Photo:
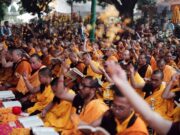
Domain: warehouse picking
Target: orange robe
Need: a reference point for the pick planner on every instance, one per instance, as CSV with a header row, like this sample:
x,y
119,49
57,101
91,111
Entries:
x,y
46,60
59,116
90,72
168,73
42,100
138,128
112,58
153,63
34,80
148,72
22,67
89,114
157,103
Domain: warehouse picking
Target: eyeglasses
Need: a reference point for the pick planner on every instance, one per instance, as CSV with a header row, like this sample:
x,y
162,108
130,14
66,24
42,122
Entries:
x,y
120,108
83,85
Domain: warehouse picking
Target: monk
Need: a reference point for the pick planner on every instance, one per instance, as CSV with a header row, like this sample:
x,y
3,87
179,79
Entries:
x,y
44,93
144,69
121,118
172,94
125,58
88,108
92,67
170,61
57,113
167,70
36,65
19,64
153,90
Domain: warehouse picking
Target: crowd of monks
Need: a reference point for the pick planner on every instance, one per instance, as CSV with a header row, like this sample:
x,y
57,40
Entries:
x,y
35,64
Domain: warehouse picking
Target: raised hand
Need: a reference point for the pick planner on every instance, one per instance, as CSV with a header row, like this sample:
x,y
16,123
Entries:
x,y
116,72
175,77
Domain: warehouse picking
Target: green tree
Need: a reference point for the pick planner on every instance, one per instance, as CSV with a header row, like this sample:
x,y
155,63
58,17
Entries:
x,y
35,6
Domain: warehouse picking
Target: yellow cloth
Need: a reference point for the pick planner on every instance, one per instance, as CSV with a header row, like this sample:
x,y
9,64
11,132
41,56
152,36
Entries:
x,y
112,58
6,115
153,63
172,112
5,45
20,131
32,51
39,53
59,116
34,80
148,72
172,64
159,104
108,94
168,73
43,99
139,80
176,15
122,126
90,72
91,112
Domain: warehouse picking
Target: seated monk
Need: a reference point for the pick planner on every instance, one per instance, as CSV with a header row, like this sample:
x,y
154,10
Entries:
x,y
57,113
172,94
167,70
144,69
88,108
44,93
36,65
5,73
170,61
121,118
19,64
153,91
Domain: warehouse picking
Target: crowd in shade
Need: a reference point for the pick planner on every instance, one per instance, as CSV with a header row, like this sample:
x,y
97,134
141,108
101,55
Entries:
x,y
127,81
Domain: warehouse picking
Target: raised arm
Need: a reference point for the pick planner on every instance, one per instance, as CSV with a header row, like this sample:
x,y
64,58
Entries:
x,y
105,74
93,67
119,77
62,92
167,94
133,82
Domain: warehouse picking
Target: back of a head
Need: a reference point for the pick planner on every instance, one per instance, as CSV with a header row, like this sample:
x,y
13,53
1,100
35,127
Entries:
x,y
46,72
18,52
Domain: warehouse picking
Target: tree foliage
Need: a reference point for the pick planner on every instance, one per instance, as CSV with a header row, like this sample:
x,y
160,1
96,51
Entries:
x,y
35,6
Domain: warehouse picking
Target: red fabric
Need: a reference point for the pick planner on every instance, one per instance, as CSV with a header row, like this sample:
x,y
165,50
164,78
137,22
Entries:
x,y
5,129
